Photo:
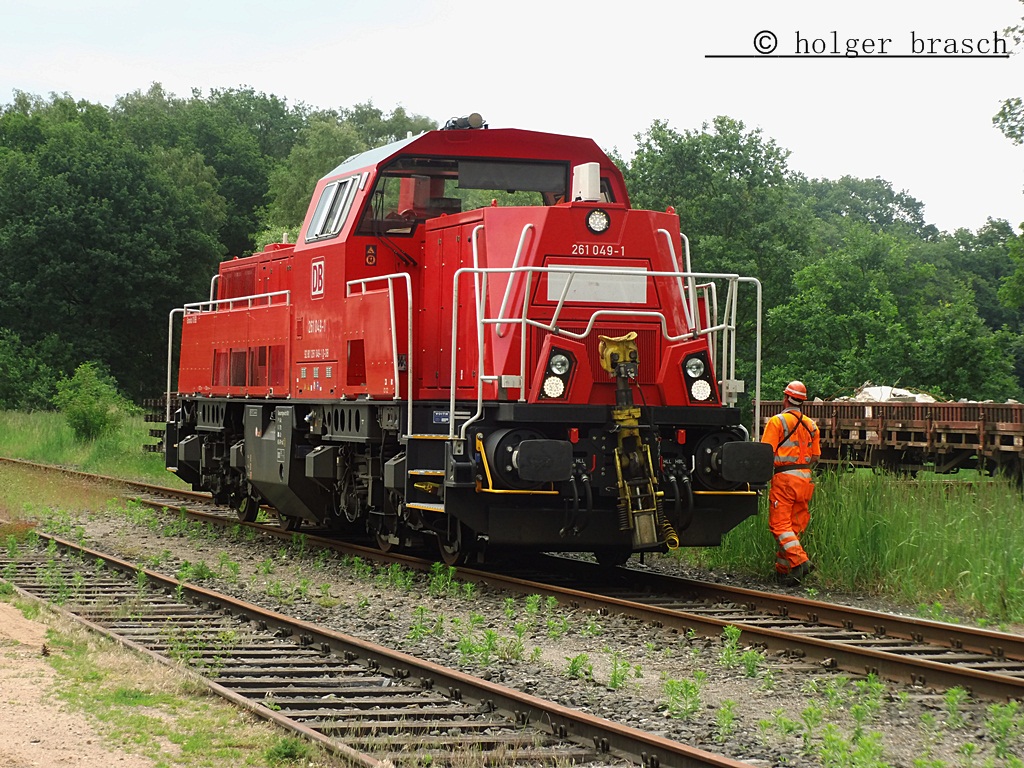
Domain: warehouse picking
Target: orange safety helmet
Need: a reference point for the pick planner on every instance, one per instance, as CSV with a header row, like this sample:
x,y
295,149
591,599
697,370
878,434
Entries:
x,y
796,391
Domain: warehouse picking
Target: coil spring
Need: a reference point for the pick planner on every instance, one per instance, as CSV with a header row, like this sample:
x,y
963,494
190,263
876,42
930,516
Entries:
x,y
668,533
624,524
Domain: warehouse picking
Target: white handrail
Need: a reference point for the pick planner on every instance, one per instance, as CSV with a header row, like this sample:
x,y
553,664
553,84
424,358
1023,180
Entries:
x,y
170,354
683,269
198,308
394,335
480,279
508,286
212,306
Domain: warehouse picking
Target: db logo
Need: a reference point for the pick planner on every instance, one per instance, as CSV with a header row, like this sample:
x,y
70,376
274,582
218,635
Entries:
x,y
316,287
371,255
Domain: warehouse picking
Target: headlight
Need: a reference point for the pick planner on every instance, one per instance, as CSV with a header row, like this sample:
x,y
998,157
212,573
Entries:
x,y
700,391
554,386
694,367
598,221
559,364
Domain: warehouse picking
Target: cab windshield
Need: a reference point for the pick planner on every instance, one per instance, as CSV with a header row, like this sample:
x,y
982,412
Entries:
x,y
413,189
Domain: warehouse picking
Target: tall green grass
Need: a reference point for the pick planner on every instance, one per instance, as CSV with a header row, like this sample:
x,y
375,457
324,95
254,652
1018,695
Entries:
x,y
956,544
45,437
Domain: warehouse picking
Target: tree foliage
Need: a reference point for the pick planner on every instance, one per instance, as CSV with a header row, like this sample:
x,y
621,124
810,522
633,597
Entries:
x,y
837,203
732,190
326,140
26,384
238,133
868,311
857,285
100,240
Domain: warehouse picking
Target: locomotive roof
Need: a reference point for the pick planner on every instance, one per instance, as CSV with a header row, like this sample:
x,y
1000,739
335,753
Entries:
x,y
513,143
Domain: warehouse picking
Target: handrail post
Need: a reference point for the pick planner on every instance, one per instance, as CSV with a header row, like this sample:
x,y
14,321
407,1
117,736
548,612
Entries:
x,y
390,278
170,356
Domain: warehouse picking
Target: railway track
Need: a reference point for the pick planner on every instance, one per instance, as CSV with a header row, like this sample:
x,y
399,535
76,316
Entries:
x,y
913,651
370,704
930,656
907,650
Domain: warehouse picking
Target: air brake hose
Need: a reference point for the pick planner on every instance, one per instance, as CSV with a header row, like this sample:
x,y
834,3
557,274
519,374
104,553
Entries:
x,y
687,518
570,523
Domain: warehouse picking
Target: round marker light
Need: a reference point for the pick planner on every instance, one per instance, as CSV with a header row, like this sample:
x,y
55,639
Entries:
x,y
559,364
700,390
695,367
554,386
598,221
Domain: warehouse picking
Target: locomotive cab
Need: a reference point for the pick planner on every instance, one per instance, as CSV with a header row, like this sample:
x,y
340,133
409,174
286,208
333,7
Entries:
x,y
476,340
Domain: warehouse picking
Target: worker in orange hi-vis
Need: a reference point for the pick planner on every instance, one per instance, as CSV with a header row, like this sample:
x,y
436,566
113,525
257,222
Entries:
x,y
795,439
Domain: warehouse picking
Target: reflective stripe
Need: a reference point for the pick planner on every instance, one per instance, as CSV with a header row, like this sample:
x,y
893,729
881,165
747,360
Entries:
x,y
787,541
794,440
805,473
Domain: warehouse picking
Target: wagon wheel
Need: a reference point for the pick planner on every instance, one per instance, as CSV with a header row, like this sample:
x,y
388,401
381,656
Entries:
x,y
289,522
454,550
248,509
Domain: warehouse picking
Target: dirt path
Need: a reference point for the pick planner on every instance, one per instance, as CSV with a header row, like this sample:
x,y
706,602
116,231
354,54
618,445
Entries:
x,y
35,728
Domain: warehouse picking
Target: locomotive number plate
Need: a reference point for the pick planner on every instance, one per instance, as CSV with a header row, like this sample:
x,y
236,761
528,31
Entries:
x,y
597,249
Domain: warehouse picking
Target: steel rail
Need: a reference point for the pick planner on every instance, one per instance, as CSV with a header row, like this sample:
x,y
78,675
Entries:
x,y
523,710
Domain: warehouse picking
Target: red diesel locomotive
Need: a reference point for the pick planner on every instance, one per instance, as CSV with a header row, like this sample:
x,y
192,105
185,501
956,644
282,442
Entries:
x,y
474,340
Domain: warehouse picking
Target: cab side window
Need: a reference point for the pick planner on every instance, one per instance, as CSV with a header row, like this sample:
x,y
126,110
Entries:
x,y
331,209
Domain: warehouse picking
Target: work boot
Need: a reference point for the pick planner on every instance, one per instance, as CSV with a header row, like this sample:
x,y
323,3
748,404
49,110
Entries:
x,y
786,579
802,571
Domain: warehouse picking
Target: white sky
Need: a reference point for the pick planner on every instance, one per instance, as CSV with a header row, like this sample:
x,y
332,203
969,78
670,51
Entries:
x,y
601,69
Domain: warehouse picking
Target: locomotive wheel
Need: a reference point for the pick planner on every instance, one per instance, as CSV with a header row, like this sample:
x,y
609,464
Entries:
x,y
610,558
454,552
289,522
248,510
384,544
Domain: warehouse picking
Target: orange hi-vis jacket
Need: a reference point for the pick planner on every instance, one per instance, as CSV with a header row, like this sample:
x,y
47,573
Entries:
x,y
795,440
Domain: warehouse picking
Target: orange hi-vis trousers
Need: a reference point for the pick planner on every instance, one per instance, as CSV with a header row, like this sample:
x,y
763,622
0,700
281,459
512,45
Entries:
x,y
788,517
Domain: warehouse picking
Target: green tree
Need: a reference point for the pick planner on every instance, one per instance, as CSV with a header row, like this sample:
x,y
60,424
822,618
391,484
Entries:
x,y
740,207
26,384
239,133
100,239
1011,286
326,140
734,196
953,352
1010,117
981,260
375,128
873,202
868,310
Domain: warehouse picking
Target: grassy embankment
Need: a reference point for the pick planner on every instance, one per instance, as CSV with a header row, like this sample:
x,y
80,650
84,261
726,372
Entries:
x,y
949,548
45,437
